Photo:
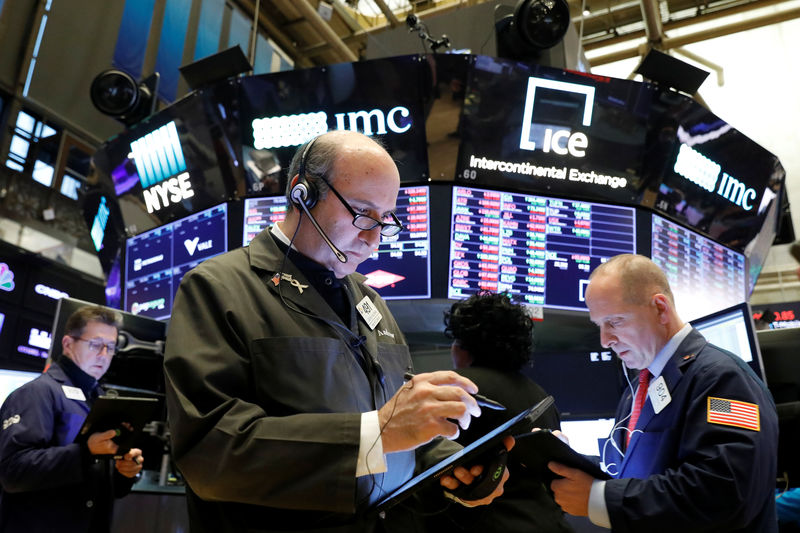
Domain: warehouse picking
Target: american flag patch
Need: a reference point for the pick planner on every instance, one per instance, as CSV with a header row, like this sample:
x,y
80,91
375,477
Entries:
x,y
733,413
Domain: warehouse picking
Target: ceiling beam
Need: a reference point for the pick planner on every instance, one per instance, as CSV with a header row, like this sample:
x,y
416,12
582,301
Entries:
x,y
390,17
348,19
286,43
682,23
719,31
326,32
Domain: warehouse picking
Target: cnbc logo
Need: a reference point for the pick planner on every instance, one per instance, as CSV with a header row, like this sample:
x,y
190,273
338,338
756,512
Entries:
x,y
161,167
551,109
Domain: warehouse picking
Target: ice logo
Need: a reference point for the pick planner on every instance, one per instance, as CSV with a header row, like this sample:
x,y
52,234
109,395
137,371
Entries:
x,y
6,278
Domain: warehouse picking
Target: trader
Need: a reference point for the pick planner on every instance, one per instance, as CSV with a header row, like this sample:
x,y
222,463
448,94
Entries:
x,y
696,450
492,343
49,482
282,365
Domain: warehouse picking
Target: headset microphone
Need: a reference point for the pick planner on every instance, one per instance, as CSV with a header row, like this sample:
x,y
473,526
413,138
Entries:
x,y
299,195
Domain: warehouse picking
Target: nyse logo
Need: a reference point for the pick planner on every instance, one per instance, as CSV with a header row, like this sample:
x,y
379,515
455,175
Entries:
x,y
168,192
160,164
158,155
559,140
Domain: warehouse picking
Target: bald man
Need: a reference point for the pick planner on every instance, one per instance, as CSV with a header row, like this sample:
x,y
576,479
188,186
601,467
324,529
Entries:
x,y
287,404
700,454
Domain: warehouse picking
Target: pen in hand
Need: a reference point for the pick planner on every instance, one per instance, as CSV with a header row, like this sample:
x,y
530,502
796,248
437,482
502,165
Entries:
x,y
483,401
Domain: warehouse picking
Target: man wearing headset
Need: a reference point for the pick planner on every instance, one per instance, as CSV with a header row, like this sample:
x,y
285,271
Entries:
x,y
284,371
701,454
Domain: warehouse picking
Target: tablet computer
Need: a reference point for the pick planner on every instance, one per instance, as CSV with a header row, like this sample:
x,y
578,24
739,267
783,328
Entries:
x,y
536,449
126,414
522,423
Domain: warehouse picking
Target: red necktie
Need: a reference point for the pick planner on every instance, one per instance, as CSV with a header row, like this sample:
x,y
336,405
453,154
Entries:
x,y
641,395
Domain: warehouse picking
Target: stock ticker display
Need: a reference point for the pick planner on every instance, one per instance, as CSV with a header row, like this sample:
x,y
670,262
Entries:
x,y
538,249
399,268
260,213
704,275
156,261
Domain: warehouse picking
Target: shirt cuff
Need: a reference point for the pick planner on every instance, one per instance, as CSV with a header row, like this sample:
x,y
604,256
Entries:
x,y
598,512
370,449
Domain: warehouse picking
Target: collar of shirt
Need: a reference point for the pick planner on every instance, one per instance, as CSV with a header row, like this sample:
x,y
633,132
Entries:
x,y
323,280
320,277
78,377
658,364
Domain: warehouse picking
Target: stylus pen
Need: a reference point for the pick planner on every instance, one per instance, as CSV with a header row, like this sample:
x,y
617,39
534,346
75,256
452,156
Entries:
x,y
483,401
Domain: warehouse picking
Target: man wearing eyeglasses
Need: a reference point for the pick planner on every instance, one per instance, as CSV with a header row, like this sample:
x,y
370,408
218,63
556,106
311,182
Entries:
x,y
284,371
49,482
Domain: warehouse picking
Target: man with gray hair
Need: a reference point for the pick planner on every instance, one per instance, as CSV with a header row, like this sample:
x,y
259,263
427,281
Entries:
x,y
285,372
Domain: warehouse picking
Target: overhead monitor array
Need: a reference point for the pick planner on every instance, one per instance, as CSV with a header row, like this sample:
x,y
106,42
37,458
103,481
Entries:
x,y
399,268
538,249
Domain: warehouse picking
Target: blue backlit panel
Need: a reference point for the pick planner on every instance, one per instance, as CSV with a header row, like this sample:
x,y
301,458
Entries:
x,y
155,261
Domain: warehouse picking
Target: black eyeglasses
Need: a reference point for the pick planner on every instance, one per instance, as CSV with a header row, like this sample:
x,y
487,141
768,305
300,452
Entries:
x,y
96,345
366,222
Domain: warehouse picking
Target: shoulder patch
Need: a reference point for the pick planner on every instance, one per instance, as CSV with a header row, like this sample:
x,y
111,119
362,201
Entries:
x,y
11,420
733,413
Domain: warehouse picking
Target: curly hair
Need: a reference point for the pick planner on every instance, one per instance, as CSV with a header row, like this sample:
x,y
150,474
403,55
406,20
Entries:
x,y
496,332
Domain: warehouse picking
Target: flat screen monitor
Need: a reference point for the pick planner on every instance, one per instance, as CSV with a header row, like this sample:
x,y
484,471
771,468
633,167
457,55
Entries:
x,y
778,315
704,276
178,162
11,380
781,362
261,213
538,249
156,260
48,281
732,329
381,98
138,362
401,266
585,384
32,340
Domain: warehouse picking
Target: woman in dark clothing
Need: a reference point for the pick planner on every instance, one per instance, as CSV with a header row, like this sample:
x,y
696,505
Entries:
x,y
492,341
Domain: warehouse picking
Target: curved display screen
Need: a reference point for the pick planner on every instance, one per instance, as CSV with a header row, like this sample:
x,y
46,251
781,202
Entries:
x,y
539,249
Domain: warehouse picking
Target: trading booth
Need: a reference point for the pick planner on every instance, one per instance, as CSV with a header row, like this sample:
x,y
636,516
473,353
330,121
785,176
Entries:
x,y
514,177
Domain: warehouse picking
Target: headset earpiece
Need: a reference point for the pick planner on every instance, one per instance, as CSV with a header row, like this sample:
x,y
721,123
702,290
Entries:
x,y
303,191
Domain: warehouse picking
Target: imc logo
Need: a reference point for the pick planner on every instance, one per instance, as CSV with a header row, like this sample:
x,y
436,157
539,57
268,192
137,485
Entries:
x,y
708,174
158,157
551,109
292,130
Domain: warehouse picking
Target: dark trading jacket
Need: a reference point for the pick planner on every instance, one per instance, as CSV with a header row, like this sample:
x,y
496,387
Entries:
x,y
48,482
526,504
684,473
265,395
